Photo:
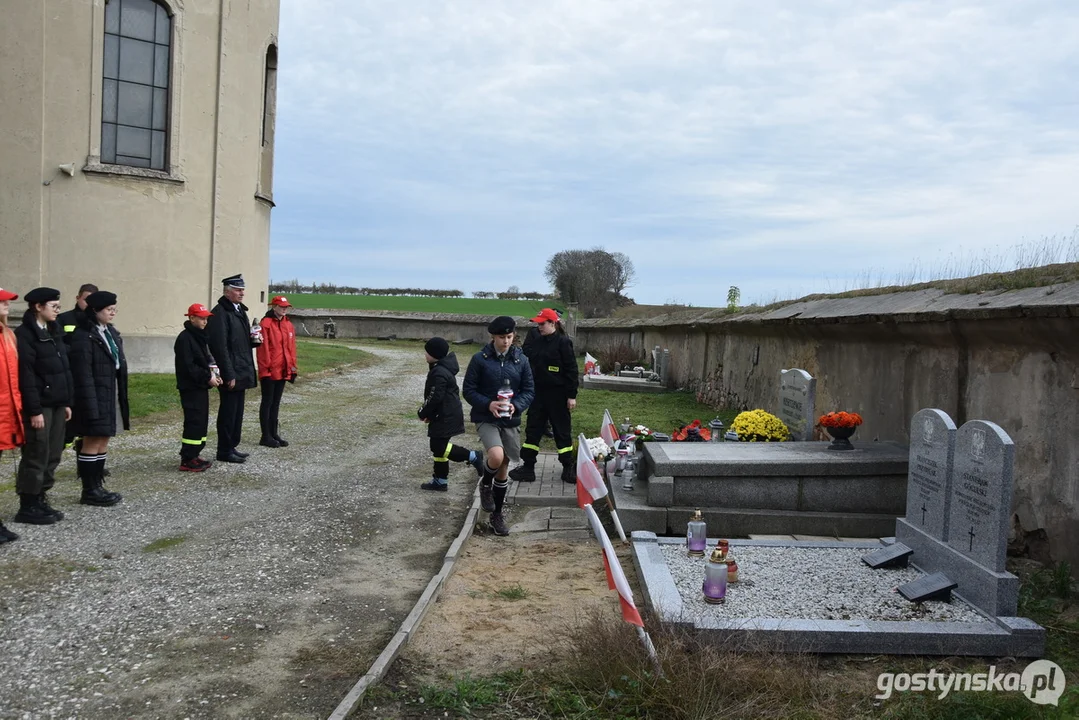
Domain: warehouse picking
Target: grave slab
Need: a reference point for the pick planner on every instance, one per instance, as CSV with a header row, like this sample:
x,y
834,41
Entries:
x,y
996,636
622,384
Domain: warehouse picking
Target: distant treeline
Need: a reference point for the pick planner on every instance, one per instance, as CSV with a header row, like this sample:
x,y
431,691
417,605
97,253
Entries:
x,y
295,286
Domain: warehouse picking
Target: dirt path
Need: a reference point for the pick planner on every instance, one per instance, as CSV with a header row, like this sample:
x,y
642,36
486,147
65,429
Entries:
x,y
248,591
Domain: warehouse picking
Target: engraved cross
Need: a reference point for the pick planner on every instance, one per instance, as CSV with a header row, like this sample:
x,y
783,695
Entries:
x,y
971,533
923,513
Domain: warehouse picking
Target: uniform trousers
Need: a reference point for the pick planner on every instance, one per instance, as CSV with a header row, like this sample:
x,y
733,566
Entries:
x,y
230,419
196,406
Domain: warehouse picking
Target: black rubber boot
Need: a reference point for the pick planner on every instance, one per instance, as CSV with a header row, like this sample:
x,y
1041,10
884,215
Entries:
x,y
43,501
524,473
31,512
94,492
569,473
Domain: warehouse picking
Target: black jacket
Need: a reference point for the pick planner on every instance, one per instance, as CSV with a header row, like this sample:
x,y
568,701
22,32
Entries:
x,y
98,382
554,364
67,322
442,400
483,379
229,332
44,372
192,358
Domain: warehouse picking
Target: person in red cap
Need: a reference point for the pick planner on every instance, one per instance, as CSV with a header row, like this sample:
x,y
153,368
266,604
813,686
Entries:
x,y
554,368
12,434
196,373
277,364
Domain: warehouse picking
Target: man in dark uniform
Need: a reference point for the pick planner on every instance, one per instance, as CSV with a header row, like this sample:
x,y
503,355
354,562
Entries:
x,y
231,342
66,320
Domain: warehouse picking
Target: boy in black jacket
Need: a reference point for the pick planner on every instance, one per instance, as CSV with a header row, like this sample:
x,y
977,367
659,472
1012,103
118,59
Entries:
x,y
441,410
195,375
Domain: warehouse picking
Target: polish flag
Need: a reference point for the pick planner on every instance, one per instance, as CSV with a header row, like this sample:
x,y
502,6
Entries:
x,y
590,485
616,579
608,431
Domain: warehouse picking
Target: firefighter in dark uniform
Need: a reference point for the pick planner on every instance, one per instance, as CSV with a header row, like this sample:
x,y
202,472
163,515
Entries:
x,y
554,368
231,343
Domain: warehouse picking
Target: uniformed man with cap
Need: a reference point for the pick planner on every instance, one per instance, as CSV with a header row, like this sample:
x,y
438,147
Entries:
x,y
231,343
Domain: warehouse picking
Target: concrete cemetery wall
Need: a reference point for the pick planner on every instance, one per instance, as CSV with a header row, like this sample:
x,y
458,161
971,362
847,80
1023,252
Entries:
x,y
1010,357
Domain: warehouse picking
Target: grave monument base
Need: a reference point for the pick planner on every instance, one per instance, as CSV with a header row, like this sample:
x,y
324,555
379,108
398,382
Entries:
x,y
994,637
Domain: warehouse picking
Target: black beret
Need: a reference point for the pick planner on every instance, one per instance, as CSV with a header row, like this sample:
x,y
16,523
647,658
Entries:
x,y
42,295
437,348
100,300
502,325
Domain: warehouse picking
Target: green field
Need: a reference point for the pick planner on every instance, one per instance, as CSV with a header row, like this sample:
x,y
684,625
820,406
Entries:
x,y
464,306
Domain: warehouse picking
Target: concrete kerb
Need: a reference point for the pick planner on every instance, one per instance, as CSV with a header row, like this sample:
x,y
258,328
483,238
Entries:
x,y
434,588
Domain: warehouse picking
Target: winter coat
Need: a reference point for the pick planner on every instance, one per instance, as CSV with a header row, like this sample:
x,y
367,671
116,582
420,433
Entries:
x,y
67,321
12,433
277,353
44,373
442,400
554,364
192,358
229,333
483,379
98,382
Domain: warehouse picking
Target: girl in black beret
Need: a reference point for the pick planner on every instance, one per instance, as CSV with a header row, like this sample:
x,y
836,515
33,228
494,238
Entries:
x,y
99,369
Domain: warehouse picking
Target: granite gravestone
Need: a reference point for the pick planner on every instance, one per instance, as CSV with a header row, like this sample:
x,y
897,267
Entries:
x,y
797,399
978,519
929,477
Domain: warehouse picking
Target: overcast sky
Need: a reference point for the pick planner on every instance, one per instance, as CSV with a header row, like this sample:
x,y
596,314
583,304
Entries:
x,y
782,147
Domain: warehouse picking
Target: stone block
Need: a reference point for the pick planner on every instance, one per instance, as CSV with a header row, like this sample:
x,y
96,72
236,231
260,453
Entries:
x,y
660,491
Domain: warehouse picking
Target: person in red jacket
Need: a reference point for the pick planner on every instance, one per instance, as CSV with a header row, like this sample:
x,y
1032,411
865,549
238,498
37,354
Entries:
x,y
11,427
277,364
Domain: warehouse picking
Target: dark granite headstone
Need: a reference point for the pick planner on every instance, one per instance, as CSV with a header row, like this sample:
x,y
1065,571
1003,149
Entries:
x,y
931,587
797,398
980,512
894,555
929,479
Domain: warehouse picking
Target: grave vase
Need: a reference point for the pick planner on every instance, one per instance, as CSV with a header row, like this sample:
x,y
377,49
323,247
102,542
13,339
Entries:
x,y
840,437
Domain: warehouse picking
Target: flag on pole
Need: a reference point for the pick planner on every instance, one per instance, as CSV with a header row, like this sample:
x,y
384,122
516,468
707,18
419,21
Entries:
x,y
616,579
608,431
590,485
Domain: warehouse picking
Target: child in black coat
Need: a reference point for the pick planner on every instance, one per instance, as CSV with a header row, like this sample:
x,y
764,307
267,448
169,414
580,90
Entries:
x,y
196,373
442,412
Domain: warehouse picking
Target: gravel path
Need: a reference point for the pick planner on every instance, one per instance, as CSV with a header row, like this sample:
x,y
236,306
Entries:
x,y
261,590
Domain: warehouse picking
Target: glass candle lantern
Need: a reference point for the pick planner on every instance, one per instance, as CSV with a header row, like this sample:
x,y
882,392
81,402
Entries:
x,y
716,426
696,535
715,578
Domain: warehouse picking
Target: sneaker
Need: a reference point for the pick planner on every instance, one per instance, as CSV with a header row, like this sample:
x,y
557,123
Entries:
x,y
43,501
203,463
487,497
434,484
498,524
193,465
477,462
523,473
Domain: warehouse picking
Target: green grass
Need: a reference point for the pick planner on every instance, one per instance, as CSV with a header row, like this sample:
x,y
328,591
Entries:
x,y
163,544
464,306
662,412
514,592
151,393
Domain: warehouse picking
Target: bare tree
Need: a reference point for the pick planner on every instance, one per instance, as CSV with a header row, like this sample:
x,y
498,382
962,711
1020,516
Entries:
x,y
594,279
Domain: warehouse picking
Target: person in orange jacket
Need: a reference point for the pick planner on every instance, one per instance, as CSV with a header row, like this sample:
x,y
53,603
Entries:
x,y
11,424
277,364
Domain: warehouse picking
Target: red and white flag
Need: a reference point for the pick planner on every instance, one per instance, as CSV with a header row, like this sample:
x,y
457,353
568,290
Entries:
x,y
608,431
616,579
590,485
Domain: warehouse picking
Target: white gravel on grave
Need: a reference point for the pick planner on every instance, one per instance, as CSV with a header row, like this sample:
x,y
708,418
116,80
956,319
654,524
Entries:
x,y
810,584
